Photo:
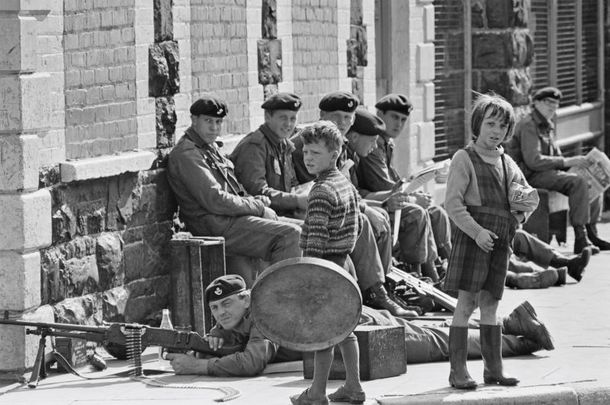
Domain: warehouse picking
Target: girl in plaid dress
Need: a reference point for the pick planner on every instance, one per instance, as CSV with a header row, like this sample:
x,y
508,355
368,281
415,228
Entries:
x,y
477,202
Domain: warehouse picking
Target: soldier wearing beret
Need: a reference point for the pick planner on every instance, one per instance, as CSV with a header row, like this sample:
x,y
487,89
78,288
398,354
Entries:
x,y
263,158
424,229
214,203
534,147
229,302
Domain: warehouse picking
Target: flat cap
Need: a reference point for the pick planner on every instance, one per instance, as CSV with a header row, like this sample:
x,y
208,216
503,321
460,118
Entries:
x,y
547,92
224,286
209,105
283,101
395,102
339,101
367,124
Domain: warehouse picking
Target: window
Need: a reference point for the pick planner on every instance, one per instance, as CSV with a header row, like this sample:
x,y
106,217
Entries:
x,y
567,54
449,79
566,48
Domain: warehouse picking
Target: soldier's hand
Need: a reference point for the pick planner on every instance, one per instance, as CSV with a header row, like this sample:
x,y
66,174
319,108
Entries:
x,y
422,199
397,201
215,342
579,161
264,199
185,364
268,213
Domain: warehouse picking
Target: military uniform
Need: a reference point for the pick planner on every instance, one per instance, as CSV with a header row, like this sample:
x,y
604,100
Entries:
x,y
213,203
423,232
263,164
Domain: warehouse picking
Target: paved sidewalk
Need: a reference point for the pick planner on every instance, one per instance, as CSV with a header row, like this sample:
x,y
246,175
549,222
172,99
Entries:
x,y
576,372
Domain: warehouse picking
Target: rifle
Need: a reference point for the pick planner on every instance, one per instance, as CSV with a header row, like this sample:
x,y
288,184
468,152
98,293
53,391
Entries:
x,y
423,288
121,340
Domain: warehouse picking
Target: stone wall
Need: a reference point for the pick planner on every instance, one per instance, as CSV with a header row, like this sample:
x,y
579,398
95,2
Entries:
x,y
502,49
110,234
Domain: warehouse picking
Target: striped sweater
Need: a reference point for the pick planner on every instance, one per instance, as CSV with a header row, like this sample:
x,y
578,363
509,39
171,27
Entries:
x,y
332,222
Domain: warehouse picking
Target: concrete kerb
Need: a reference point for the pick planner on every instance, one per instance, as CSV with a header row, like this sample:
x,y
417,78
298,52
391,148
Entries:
x,y
493,395
593,395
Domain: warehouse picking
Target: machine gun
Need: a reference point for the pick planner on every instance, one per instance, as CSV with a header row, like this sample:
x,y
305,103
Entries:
x,y
121,340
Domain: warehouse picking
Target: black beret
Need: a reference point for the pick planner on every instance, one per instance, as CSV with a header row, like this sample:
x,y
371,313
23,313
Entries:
x,y
283,101
547,92
209,105
366,123
395,102
339,101
224,286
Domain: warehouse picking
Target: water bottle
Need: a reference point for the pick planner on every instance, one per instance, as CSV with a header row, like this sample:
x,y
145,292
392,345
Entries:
x,y
166,323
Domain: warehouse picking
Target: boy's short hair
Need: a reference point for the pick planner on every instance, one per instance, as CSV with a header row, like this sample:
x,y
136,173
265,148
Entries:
x,y
323,131
498,107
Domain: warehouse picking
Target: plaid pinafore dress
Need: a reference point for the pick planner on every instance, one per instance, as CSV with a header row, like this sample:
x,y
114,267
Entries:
x,y
470,268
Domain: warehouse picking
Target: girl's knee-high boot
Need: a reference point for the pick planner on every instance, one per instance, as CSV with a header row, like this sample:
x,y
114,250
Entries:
x,y
458,354
491,349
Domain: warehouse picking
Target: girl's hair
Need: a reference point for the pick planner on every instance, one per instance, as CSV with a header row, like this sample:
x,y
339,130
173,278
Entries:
x,y
498,107
323,131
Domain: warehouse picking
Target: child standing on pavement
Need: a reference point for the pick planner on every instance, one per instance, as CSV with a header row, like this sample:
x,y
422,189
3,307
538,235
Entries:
x,y
331,227
477,201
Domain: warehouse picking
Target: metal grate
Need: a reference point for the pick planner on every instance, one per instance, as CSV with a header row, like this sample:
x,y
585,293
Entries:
x,y
449,77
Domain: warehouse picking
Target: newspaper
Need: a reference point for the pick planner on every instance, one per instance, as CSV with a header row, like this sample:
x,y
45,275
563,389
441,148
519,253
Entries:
x,y
420,178
597,173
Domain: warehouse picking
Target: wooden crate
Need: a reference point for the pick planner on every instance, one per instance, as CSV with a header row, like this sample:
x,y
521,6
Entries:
x,y
383,354
196,261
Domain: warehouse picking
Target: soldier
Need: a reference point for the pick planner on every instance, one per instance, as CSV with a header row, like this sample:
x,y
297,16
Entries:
x,y
431,237
229,302
211,199
534,147
263,163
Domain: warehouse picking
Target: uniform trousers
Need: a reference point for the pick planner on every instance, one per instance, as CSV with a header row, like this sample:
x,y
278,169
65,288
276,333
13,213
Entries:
x,y
429,343
252,236
529,253
582,211
416,243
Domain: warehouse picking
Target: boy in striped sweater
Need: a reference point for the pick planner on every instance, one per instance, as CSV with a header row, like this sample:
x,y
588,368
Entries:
x,y
331,227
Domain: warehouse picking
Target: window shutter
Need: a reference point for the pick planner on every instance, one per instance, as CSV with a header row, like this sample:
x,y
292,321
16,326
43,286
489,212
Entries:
x,y
540,28
589,51
449,77
566,51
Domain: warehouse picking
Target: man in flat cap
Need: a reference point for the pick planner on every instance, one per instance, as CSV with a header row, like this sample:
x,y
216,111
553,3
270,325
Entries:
x,y
263,158
229,302
424,233
214,203
534,147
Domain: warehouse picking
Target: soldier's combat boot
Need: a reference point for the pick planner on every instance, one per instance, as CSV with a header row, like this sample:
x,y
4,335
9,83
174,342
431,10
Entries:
x,y
595,239
377,297
524,321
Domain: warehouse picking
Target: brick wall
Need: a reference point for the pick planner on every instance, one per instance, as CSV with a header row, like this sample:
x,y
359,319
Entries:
x,y
314,25
219,56
100,73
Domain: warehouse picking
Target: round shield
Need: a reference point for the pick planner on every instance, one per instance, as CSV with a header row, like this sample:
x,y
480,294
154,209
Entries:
x,y
305,304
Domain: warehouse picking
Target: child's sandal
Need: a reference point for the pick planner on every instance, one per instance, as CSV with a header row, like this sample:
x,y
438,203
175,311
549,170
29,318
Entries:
x,y
343,395
304,399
